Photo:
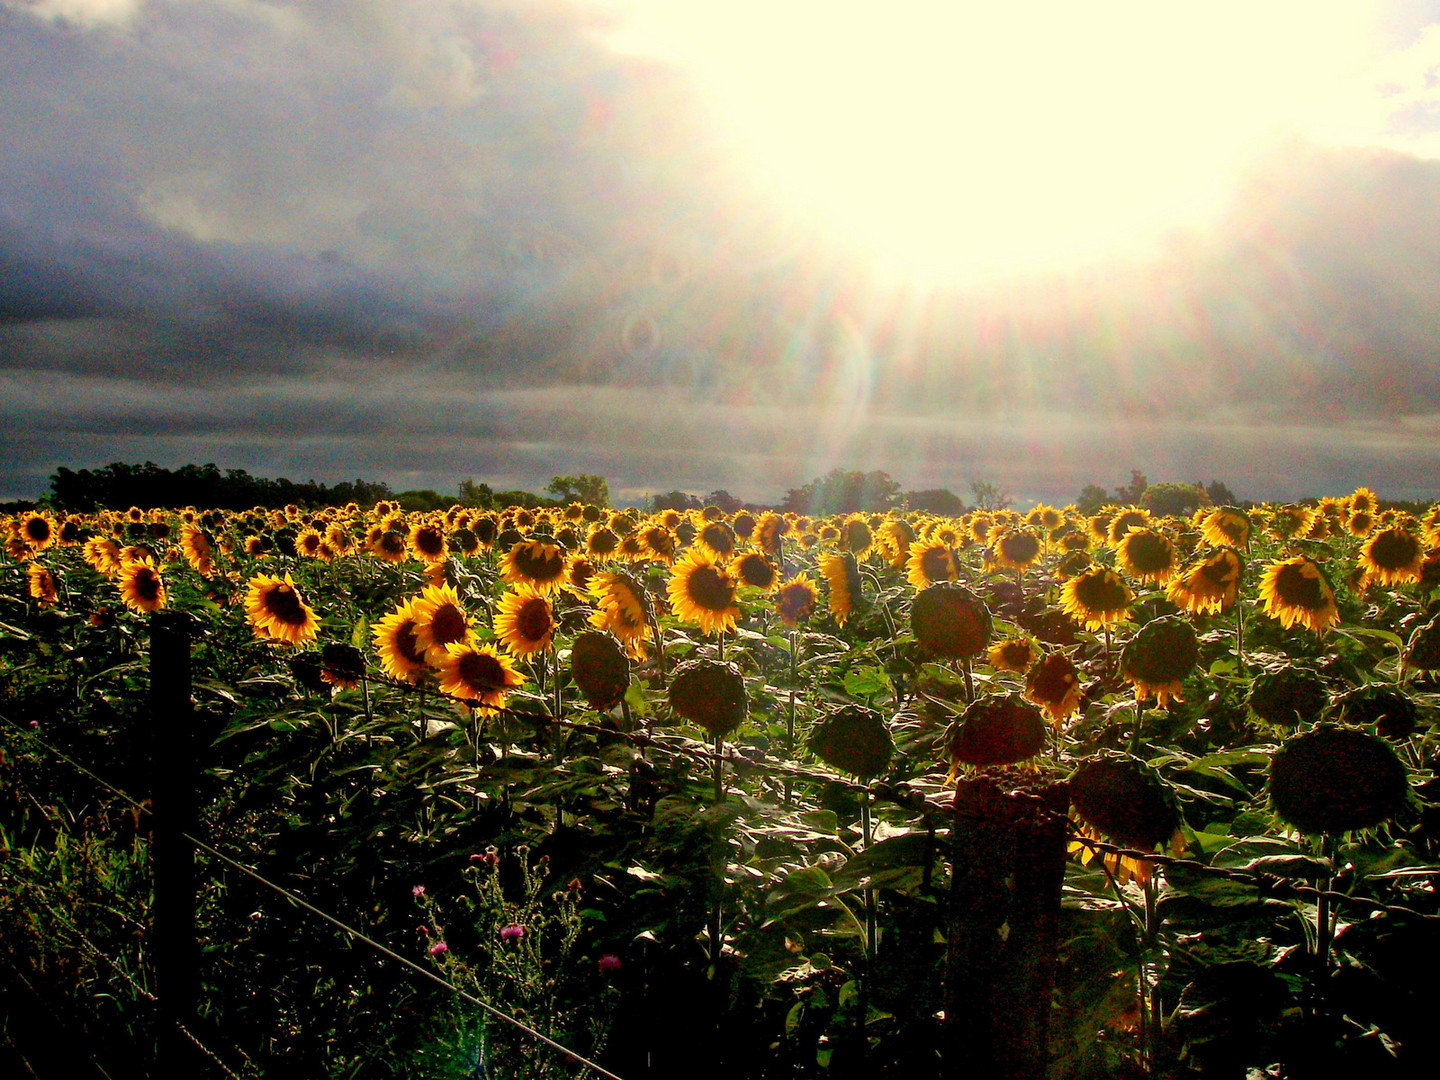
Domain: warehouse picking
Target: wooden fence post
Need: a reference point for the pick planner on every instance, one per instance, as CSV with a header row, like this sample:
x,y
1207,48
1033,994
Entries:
x,y
1002,930
173,947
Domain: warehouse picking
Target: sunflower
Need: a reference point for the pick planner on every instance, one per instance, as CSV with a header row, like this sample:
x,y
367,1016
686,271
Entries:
x,y
843,577
276,611
578,575
389,545
1289,522
1130,517
198,549
702,591
856,537
894,538
930,562
427,543
1017,549
1147,555
1362,501
1097,598
756,570
1297,590
1360,522
1392,556
950,621
42,585
1072,563
1209,584
341,666
524,621
623,608
103,554
1012,654
1159,657
660,544
1226,526
478,675
769,532
796,599
141,586
37,529
601,543
534,562
440,621
1053,683
395,643
717,538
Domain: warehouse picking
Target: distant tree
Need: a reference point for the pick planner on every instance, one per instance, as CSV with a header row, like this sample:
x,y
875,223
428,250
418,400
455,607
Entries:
x,y
1168,499
989,496
1129,495
844,492
675,500
527,499
120,485
422,500
583,487
1091,498
477,495
724,500
1220,494
939,501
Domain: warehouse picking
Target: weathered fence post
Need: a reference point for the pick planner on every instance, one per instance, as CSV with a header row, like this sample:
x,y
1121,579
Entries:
x,y
1002,930
172,858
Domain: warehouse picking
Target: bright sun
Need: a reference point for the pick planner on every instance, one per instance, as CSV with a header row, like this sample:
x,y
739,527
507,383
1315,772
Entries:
x,y
946,140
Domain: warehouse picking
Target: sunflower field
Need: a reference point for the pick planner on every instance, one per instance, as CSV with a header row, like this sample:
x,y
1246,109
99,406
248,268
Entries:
x,y
587,791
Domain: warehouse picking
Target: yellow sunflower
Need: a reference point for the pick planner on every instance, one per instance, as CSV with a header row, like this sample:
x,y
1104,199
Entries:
x,y
1123,520
1209,584
601,543
277,611
198,549
478,675
1392,556
1297,590
930,562
796,599
440,621
856,537
525,621
536,563
756,570
1017,549
42,585
1226,526
1097,598
717,538
1053,683
103,554
702,591
37,529
843,577
1289,522
623,609
141,586
1012,654
769,532
427,543
1147,555
660,544
396,645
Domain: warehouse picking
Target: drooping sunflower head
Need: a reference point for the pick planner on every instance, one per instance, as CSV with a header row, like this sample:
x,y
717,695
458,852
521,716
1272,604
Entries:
x,y
950,621
1334,779
795,600
769,532
1209,584
1226,525
996,729
710,693
1097,598
702,591
440,621
1288,695
600,668
277,611
1297,590
1392,556
341,665
1147,555
853,739
42,585
623,608
525,621
1124,799
1053,683
856,537
842,575
1159,657
103,554
477,675
534,562
1072,563
1389,710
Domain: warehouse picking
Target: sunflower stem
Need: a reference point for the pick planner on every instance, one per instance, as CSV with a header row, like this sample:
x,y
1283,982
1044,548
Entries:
x,y
790,712
1150,975
555,678
969,683
869,895
1239,638
365,697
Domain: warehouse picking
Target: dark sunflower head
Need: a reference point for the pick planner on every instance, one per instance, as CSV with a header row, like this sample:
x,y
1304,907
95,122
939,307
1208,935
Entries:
x,y
950,621
1334,779
1124,799
996,729
854,739
710,693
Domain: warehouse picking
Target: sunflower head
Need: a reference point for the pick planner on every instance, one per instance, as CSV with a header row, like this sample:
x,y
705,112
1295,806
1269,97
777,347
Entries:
x,y
1159,657
795,600
1053,683
1226,526
854,739
702,591
1297,590
950,621
525,621
535,562
929,562
600,668
1389,710
1012,654
42,585
843,576
1125,800
756,570
710,693
1288,696
1209,584
996,729
1147,555
341,665
477,675
141,586
1017,549
1097,598
1392,556
1334,779
397,646
277,611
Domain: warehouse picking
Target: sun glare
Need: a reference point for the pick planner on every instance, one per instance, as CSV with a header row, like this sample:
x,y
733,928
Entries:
x,y
946,140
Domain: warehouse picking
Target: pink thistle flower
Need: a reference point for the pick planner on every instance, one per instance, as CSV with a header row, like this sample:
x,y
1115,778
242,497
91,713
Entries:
x,y
513,932
439,949
610,962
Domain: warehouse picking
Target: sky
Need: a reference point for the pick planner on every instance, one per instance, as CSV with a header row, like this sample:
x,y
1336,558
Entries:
x,y
696,245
